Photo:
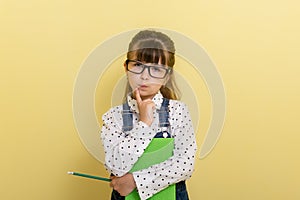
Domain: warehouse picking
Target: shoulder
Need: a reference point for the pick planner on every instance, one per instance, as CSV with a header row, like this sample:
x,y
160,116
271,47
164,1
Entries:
x,y
179,114
178,109
176,105
113,114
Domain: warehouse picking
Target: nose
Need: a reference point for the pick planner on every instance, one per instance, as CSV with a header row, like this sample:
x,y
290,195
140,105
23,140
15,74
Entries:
x,y
145,74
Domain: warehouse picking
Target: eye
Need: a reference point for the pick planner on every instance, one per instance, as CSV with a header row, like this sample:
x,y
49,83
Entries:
x,y
137,64
157,69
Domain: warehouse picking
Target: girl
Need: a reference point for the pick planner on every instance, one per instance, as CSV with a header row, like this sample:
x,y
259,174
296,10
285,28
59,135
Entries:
x,y
151,87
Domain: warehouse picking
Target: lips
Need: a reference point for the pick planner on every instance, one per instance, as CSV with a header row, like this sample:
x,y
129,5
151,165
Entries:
x,y
143,86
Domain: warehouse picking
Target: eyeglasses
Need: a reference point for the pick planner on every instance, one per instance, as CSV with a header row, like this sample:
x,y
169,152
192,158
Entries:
x,y
155,71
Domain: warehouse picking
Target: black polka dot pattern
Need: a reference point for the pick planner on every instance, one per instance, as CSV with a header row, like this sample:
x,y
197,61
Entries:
x,y
122,149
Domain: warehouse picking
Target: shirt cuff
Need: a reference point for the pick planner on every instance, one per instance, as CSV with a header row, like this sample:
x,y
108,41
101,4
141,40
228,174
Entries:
x,y
143,186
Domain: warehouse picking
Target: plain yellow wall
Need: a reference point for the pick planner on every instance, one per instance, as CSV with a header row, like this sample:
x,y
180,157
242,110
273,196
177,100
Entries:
x,y
255,45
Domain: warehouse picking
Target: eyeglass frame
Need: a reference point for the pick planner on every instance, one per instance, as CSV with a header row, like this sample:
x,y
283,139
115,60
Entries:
x,y
164,67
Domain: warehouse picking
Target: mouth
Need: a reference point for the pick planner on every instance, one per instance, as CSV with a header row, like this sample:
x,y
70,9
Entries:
x,y
143,86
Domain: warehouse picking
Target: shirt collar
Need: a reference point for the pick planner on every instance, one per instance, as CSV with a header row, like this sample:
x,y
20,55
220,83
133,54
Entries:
x,y
157,99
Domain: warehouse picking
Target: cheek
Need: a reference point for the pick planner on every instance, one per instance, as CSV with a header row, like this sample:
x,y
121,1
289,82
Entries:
x,y
133,80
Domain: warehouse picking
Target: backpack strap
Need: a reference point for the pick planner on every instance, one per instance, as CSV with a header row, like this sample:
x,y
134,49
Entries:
x,y
163,113
127,117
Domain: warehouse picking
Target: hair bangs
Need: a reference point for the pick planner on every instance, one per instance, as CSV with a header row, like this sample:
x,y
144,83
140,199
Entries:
x,y
151,55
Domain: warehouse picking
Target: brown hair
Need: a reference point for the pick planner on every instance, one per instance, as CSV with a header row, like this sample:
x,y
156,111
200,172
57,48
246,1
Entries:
x,y
152,46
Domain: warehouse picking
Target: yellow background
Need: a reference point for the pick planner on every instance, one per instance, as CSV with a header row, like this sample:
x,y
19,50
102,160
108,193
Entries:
x,y
255,45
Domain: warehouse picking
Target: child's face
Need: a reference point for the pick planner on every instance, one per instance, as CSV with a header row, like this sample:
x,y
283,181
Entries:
x,y
147,85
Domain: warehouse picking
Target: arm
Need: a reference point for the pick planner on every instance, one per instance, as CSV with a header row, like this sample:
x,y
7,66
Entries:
x,y
122,149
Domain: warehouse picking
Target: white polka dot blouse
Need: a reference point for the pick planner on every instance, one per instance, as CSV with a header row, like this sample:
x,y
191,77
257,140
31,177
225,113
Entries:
x,y
123,149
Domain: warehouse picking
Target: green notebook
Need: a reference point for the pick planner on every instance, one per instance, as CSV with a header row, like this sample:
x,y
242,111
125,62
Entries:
x,y
159,150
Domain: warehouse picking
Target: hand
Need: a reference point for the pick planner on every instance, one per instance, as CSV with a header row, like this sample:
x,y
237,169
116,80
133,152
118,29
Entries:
x,y
146,108
124,185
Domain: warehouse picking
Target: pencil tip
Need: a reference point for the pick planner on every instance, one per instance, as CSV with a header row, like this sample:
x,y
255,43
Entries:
x,y
71,173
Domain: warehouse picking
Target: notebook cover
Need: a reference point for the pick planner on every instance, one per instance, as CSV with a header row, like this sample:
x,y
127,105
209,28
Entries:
x,y
159,150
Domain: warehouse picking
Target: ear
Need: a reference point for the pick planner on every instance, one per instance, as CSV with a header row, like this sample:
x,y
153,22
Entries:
x,y
124,65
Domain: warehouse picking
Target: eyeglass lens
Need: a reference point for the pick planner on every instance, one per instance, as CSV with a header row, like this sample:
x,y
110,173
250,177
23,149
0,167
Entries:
x,y
155,71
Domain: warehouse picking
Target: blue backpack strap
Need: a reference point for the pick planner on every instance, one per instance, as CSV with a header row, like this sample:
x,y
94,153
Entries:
x,y
164,113
164,123
127,117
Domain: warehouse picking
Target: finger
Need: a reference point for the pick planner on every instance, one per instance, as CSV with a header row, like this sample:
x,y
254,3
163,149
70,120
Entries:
x,y
153,107
113,181
149,102
138,96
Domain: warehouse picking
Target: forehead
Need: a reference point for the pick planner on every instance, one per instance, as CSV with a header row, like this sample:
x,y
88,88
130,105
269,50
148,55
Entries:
x,y
149,55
